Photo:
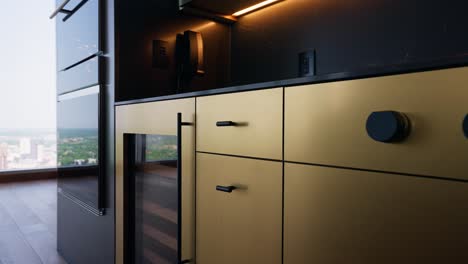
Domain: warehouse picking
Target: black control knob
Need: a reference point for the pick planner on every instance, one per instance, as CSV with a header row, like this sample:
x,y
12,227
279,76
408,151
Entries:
x,y
388,126
465,126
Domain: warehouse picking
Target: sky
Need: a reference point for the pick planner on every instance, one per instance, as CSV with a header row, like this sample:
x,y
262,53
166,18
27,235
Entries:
x,y
27,64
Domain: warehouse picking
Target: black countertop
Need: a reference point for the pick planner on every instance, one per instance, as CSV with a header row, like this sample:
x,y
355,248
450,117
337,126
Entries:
x,y
443,63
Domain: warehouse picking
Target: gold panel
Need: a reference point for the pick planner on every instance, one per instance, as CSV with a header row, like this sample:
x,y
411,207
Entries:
x,y
326,123
335,216
259,118
243,226
159,118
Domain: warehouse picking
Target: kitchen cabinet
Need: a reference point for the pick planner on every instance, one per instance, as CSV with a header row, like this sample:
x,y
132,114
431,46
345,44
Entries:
x,y
244,124
239,210
326,123
351,216
159,121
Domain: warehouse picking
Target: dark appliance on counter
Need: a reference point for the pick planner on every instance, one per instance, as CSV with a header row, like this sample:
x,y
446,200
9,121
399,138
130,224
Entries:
x,y
190,60
80,103
189,45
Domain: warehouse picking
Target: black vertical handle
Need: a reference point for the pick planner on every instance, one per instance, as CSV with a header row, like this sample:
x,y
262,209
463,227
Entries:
x,y
180,124
179,187
465,126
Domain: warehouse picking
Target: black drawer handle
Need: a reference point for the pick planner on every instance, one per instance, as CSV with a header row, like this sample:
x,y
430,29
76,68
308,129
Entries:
x,y
227,189
225,123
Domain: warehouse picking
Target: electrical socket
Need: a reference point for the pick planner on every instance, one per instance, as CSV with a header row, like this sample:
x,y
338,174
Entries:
x,y
307,63
160,54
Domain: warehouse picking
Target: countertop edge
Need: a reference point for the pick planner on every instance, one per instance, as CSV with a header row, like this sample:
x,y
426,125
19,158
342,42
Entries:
x,y
444,63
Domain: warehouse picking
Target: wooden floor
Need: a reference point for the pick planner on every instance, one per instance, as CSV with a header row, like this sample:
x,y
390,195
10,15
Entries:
x,y
28,220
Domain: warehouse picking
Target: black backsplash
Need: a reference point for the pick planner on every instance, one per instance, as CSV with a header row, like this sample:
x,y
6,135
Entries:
x,y
265,45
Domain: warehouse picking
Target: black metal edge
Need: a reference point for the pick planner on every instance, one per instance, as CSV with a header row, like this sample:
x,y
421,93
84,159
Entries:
x,y
74,10
225,19
422,66
184,2
78,89
129,199
102,23
60,9
179,187
22,171
102,148
283,180
97,54
238,156
403,174
100,74
87,207
194,152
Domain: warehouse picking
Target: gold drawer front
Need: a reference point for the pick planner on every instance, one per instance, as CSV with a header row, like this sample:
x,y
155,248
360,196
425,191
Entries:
x,y
337,216
243,226
326,123
258,124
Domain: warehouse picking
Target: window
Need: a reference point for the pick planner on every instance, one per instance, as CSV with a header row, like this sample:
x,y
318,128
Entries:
x,y
27,85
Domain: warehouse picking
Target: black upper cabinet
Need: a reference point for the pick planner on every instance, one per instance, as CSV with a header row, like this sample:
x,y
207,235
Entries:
x,y
77,32
268,44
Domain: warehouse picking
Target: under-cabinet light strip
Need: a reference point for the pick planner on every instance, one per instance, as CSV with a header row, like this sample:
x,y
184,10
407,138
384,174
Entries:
x,y
254,7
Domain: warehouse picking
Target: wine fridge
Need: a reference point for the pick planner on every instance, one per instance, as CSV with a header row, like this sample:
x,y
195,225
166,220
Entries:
x,y
155,180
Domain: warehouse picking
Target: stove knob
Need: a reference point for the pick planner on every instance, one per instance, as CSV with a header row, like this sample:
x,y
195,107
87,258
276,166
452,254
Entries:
x,y
465,126
388,126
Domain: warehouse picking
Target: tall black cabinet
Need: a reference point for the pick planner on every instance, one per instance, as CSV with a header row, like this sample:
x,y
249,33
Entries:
x,y
85,97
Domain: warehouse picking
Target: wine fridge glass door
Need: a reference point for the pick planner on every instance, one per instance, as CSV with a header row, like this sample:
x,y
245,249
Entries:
x,y
152,175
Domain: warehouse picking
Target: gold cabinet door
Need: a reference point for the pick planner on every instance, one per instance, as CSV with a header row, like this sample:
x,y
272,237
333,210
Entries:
x,y
158,118
326,123
258,116
335,216
243,226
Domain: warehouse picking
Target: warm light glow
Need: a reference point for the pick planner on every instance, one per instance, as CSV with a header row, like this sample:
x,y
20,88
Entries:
x,y
202,27
254,7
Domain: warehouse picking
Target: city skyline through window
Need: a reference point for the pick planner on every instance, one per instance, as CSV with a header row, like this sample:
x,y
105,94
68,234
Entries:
x,y
27,85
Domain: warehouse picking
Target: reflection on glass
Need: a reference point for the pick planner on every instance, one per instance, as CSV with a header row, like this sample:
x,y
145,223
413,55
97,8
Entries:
x,y
77,37
78,148
161,148
153,198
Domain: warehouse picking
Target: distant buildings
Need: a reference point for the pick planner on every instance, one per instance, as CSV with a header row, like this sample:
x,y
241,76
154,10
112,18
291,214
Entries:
x,y
25,146
39,150
34,151
3,156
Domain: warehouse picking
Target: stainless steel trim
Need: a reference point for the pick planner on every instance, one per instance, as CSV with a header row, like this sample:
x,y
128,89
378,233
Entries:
x,y
60,9
83,92
88,208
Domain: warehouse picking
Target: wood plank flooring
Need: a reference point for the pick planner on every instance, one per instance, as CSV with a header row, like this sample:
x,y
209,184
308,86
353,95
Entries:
x,y
28,220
